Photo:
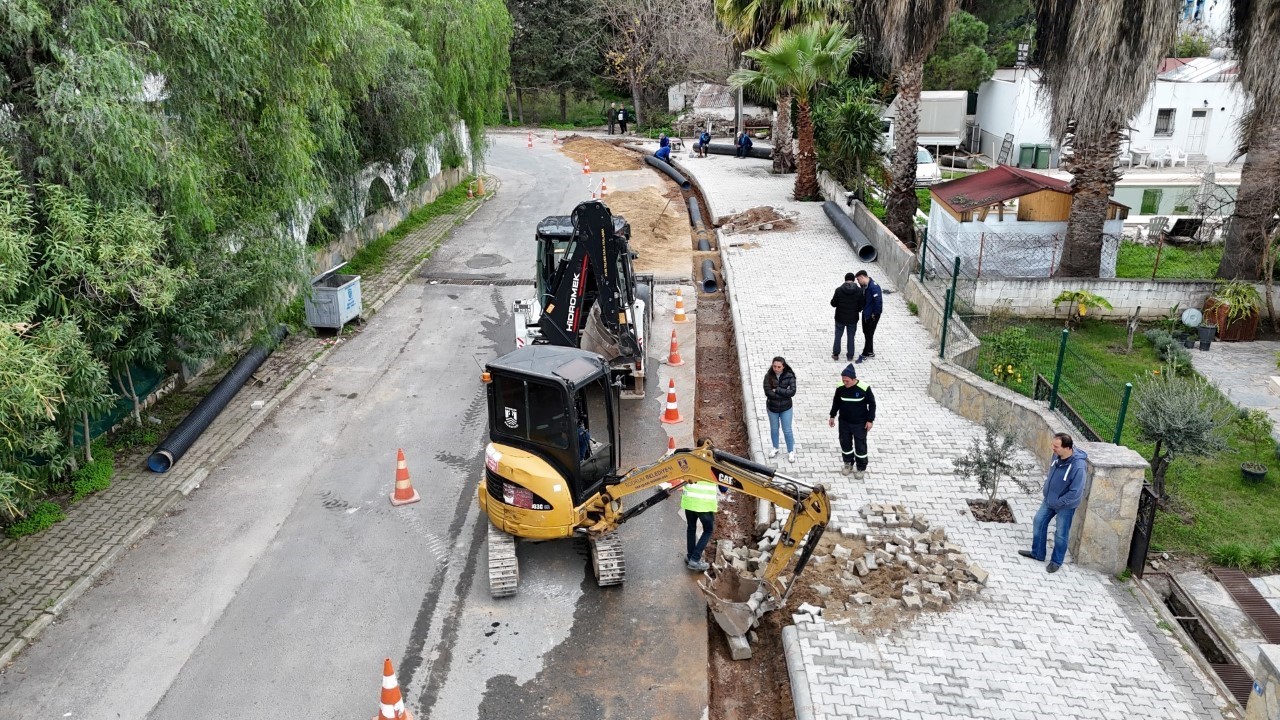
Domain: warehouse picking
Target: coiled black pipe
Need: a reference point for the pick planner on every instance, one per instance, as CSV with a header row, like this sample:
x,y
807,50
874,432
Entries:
x,y
755,152
709,284
695,214
172,448
671,172
850,232
704,245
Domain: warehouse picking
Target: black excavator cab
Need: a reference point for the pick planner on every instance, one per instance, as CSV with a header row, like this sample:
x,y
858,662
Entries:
x,y
557,403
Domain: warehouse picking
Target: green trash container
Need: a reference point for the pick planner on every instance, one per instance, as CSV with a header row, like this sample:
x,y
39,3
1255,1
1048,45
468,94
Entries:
x,y
1026,156
1042,156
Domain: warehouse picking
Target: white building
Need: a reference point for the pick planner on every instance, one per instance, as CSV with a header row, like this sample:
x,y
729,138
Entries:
x,y
1194,106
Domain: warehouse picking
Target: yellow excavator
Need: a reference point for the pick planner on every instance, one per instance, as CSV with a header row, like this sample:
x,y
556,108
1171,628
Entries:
x,y
551,472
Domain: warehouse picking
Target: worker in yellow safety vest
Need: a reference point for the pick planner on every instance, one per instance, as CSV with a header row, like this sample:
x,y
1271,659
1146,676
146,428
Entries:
x,y
699,500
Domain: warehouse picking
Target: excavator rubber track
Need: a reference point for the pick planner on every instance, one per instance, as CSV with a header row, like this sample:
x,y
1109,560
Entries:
x,y
504,569
607,560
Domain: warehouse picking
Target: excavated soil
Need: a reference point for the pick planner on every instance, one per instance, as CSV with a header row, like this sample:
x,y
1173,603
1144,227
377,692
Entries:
x,y
755,219
659,227
604,156
755,689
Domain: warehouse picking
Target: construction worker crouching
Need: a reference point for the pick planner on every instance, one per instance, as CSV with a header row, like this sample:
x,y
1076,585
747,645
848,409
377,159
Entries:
x,y
856,405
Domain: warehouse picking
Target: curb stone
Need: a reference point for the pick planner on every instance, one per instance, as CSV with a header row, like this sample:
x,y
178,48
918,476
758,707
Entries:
x,y
147,522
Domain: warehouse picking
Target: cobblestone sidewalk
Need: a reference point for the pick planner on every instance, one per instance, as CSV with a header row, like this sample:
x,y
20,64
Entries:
x,y
1074,645
42,574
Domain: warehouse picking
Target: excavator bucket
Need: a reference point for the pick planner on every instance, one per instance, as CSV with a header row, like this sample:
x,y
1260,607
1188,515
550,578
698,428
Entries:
x,y
736,602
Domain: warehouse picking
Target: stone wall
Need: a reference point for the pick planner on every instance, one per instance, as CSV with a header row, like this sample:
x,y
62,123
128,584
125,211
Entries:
x,y
1264,701
1103,524
1034,297
374,226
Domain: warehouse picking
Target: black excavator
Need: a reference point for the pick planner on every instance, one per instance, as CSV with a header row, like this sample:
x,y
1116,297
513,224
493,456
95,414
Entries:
x,y
588,295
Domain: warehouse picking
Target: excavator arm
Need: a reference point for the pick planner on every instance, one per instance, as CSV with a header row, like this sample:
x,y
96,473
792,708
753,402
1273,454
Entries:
x,y
809,513
592,276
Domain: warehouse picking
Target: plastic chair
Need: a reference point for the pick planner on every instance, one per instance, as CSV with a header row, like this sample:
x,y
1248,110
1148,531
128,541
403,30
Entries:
x,y
1176,155
1159,157
1125,158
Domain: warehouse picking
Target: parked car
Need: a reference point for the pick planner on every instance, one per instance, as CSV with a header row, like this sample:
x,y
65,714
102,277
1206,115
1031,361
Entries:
x,y
928,171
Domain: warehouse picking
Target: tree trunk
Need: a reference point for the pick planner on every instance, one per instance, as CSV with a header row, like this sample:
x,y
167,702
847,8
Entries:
x,y
901,203
1257,201
507,97
1159,464
520,104
88,450
635,101
1093,180
564,105
133,393
784,161
807,163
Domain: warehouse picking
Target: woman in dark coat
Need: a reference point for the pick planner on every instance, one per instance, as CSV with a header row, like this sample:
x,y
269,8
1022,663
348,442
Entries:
x,y
779,388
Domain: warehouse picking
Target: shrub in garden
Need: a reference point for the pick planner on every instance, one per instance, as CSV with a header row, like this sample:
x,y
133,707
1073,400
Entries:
x,y
1180,416
1009,351
45,515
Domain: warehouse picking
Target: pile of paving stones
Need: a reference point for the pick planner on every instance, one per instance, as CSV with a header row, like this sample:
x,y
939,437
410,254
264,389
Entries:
x,y
933,572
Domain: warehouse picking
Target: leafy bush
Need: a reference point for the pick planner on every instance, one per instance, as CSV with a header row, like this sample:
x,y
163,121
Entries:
x,y
1259,558
1254,427
1078,304
1180,416
1009,349
913,308
1172,353
45,515
990,461
94,476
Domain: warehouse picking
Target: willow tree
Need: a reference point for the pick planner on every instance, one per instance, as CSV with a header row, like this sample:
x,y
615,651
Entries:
x,y
758,23
905,33
1255,37
1097,61
796,64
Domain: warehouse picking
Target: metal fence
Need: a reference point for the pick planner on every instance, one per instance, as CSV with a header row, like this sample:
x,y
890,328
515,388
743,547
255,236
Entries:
x,y
1032,358
1006,255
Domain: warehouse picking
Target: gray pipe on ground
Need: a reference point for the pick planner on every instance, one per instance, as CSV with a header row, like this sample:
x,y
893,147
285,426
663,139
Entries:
x,y
695,214
850,232
671,172
709,284
762,153
172,448
704,245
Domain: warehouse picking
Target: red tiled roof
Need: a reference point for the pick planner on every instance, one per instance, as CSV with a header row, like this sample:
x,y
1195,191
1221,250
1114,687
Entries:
x,y
998,184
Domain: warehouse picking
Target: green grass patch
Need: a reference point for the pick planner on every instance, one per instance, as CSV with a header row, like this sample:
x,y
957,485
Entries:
x,y
1176,263
922,194
45,515
1214,506
95,476
372,258
876,206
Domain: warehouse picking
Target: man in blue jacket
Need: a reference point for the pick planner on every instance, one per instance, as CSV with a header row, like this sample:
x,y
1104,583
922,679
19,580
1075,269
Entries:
x,y
704,139
744,146
1063,489
872,306
664,149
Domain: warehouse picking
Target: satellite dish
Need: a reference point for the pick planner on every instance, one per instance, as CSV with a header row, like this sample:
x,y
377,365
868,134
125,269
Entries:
x,y
1192,317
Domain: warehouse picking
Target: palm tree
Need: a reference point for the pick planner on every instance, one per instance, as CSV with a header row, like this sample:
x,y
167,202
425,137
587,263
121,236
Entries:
x,y
799,61
757,23
1098,61
1255,37
906,33
848,134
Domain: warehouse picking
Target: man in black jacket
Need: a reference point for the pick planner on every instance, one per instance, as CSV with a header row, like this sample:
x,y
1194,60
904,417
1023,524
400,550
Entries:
x,y
847,301
856,405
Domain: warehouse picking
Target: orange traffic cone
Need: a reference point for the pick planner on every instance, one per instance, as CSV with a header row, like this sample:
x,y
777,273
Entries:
x,y
391,706
671,445
680,316
555,137
673,357
603,188
530,143
672,414
404,493
480,186
471,195
586,166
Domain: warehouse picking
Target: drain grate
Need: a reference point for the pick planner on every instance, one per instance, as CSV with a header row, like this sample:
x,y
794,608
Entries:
x,y
473,280
1250,601
1237,680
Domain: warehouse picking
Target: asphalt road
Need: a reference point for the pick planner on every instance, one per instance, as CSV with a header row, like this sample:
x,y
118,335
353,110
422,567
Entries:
x,y
279,586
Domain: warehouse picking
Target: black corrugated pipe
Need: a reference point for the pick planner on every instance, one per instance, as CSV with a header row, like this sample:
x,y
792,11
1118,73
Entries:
x,y
695,214
709,284
671,172
173,447
852,235
755,152
704,245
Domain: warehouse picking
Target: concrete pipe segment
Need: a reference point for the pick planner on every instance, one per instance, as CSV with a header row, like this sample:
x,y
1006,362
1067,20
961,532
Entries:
x,y
671,172
850,232
709,284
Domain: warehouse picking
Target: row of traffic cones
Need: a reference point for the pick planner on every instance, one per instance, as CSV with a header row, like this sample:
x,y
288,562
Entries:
x,y
555,139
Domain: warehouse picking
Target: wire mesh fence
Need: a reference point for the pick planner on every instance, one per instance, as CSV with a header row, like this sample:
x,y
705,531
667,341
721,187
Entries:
x,y
1006,255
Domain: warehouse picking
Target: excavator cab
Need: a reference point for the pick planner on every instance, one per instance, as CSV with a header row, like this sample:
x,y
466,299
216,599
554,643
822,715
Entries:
x,y
555,241
553,439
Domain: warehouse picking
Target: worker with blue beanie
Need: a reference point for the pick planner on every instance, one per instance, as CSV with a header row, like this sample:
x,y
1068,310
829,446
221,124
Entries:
x,y
855,404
